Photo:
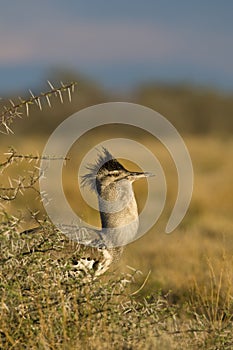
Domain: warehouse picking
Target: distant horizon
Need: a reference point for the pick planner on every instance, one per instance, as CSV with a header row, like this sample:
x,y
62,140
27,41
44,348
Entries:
x,y
38,80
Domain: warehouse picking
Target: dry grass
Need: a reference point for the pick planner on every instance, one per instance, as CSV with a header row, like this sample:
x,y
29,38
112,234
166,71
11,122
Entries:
x,y
187,301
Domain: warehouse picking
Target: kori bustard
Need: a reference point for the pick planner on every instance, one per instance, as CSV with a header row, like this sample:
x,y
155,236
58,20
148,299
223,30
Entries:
x,y
112,183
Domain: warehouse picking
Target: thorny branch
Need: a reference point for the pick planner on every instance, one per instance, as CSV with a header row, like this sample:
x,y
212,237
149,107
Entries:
x,y
9,114
22,183
15,110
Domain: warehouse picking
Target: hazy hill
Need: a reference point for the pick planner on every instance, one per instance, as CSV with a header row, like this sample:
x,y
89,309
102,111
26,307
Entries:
x,y
191,109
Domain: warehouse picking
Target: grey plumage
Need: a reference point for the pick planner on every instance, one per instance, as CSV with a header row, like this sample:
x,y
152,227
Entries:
x,y
112,184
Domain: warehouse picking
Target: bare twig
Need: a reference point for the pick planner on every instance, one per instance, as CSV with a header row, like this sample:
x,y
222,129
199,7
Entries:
x,y
143,284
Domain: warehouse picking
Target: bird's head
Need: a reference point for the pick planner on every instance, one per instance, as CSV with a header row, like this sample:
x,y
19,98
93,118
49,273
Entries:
x,y
108,170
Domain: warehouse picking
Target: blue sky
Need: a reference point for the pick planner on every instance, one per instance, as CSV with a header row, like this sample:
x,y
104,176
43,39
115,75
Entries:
x,y
117,43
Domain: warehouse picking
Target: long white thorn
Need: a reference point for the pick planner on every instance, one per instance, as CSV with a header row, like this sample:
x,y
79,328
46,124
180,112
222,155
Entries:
x,y
27,109
52,87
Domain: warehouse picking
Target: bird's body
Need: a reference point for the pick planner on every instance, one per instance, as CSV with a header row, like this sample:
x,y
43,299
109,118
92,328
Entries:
x,y
92,252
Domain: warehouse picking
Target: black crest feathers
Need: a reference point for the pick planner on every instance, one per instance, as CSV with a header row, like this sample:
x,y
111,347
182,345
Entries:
x,y
105,162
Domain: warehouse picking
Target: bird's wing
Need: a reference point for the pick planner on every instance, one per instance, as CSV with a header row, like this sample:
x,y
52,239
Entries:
x,y
87,254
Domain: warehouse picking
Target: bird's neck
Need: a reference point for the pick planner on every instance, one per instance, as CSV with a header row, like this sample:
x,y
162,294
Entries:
x,y
118,210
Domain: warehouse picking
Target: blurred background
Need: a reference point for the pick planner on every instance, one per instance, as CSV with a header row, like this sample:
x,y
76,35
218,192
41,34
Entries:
x,y
119,45
175,57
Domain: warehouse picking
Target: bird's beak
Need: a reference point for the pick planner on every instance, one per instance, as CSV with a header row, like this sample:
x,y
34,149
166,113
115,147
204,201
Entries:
x,y
139,175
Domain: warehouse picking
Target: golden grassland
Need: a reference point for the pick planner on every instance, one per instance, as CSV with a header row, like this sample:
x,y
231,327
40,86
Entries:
x,y
187,276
